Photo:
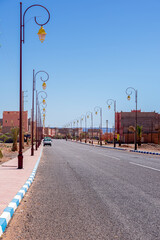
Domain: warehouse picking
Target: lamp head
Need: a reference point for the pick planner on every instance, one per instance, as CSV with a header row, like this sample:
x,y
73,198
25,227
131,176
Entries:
x,y
42,34
87,116
129,97
44,85
96,112
109,107
44,101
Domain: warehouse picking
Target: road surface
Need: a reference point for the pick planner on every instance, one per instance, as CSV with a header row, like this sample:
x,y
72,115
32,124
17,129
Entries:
x,y
88,193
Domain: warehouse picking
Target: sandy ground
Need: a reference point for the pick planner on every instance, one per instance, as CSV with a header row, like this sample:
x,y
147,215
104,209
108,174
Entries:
x,y
8,153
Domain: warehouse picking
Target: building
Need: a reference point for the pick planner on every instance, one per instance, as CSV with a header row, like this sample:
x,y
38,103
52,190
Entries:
x,y
150,122
11,119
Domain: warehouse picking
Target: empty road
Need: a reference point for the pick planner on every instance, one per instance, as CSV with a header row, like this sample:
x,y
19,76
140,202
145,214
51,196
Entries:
x,y
89,193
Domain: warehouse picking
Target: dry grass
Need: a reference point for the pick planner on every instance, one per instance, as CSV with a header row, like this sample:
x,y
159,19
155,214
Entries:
x,y
8,153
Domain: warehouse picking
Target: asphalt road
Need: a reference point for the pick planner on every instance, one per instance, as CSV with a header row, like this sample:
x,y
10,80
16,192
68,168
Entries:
x,y
88,193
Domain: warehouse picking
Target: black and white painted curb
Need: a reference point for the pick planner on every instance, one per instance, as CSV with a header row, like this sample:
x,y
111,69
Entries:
x,y
8,211
145,152
122,149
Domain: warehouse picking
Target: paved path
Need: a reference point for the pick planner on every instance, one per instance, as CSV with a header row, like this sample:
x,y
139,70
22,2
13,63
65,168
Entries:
x,y
12,178
87,193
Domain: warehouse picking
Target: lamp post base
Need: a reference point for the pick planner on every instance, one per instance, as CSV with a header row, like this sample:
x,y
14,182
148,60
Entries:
x,y
20,161
32,151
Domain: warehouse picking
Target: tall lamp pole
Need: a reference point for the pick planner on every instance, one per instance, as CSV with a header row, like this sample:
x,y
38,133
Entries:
x,y
38,122
34,87
71,132
90,114
77,129
109,102
42,35
129,91
96,109
81,119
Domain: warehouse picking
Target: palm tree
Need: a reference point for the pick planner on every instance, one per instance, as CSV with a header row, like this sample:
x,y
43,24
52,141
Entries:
x,y
14,132
139,134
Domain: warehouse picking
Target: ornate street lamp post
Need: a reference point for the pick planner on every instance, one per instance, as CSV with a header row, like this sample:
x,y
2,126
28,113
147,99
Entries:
x,y
38,115
129,91
42,35
71,131
109,102
90,114
78,135
96,109
34,87
82,118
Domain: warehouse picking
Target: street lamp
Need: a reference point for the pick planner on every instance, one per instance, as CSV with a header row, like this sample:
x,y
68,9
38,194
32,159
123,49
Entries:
x,y
90,114
34,87
99,109
38,115
78,129
22,40
129,91
82,118
109,102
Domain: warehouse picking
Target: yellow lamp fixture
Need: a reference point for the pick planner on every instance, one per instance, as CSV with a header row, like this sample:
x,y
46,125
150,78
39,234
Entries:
x,y
44,101
109,106
43,109
87,116
44,86
96,113
42,34
82,119
77,121
43,115
129,97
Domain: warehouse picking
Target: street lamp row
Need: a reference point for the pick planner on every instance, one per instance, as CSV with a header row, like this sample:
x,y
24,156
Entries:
x,y
97,109
41,35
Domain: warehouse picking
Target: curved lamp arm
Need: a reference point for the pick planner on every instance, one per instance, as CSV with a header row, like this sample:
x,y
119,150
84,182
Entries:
x,y
88,113
109,103
35,19
42,92
42,77
129,91
96,109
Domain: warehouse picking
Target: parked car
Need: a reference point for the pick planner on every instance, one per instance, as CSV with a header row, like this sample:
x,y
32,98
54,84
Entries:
x,y
47,141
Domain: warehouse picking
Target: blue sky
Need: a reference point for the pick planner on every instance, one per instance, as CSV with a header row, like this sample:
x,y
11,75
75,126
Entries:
x,y
94,50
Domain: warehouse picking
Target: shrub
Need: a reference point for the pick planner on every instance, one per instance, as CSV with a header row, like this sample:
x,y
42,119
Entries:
x,y
1,155
9,140
15,136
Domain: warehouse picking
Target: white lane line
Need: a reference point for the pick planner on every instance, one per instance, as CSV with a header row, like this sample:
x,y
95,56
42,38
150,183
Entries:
x,y
105,155
155,169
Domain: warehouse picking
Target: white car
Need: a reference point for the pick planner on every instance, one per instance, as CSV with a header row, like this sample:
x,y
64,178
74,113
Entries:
x,y
47,141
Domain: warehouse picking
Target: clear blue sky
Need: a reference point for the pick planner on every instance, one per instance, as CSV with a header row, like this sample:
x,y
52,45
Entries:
x,y
93,51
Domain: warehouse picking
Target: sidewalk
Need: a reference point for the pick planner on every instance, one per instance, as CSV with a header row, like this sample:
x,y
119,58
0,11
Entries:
x,y
13,179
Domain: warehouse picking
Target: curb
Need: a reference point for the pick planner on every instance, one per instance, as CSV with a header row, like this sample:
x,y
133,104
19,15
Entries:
x,y
122,149
137,151
9,211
